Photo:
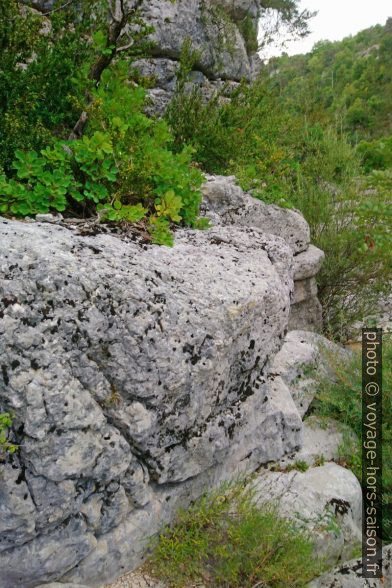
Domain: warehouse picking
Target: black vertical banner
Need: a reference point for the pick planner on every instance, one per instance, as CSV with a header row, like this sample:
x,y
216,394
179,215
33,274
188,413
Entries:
x,y
372,452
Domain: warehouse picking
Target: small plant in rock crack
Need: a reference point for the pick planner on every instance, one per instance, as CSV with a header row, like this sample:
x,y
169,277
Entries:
x,y
319,461
299,465
5,445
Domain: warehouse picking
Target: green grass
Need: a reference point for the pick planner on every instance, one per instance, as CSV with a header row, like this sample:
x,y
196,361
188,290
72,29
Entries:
x,y
299,465
342,400
224,539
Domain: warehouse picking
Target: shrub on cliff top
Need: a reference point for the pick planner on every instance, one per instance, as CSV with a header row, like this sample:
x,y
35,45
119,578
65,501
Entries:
x,y
122,167
116,162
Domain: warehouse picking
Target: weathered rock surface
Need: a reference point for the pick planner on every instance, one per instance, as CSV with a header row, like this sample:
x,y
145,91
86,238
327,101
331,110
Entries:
x,y
61,585
306,311
137,579
214,28
326,500
321,441
304,357
308,263
225,203
349,575
137,377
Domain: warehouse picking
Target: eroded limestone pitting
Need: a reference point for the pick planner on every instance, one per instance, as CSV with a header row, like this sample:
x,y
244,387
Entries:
x,y
136,376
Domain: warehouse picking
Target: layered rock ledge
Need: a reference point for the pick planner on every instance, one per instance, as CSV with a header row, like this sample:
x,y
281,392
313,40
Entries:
x,y
137,376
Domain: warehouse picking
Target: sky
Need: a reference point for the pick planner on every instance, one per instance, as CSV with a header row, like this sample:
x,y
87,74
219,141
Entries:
x,y
335,20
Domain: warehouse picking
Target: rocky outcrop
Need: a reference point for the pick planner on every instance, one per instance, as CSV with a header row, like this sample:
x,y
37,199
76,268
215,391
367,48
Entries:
x,y
221,34
326,500
306,311
319,495
304,358
137,377
218,31
225,203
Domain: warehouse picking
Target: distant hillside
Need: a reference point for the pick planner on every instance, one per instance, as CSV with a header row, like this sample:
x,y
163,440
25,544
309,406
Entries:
x,y
347,83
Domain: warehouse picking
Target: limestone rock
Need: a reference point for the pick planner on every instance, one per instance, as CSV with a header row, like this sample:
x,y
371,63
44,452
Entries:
x,y
304,290
306,315
326,500
302,354
137,579
138,376
211,27
321,441
226,199
61,585
40,560
349,575
308,263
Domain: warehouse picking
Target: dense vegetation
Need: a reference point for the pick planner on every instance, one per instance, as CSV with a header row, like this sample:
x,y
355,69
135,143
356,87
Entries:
x,y
342,399
345,83
225,539
74,137
289,151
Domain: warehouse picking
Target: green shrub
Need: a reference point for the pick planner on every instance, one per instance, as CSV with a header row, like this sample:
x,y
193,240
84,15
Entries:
x,y
122,167
349,219
226,540
42,75
342,400
248,136
376,155
283,161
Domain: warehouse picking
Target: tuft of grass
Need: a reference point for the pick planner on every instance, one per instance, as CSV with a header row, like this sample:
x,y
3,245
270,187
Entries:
x,y
225,539
341,399
319,461
300,465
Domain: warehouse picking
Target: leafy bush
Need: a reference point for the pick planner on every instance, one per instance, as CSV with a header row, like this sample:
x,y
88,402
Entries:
x,y
122,167
248,136
224,539
342,400
282,161
42,75
119,162
348,217
377,154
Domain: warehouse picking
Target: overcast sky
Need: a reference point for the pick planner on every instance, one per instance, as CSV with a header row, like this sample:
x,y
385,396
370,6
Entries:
x,y
337,19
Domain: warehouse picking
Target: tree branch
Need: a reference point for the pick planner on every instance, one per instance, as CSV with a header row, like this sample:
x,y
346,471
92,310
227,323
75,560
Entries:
x,y
119,18
57,9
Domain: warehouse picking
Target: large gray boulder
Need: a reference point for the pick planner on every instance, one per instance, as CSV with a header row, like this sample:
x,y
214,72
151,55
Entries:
x,y
322,439
137,376
226,203
325,500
